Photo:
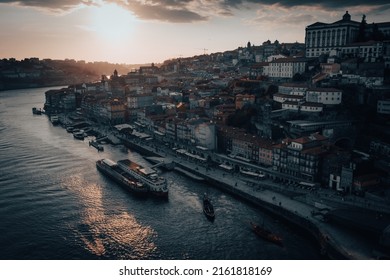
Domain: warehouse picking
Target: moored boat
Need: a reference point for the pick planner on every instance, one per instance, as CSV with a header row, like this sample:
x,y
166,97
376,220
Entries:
x,y
111,169
157,185
54,119
208,208
79,135
36,111
266,234
96,145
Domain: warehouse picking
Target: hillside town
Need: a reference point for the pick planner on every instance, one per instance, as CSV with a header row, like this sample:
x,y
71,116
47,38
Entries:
x,y
316,112
310,117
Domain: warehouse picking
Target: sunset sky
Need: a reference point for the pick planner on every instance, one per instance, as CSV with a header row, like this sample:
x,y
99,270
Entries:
x,y
145,31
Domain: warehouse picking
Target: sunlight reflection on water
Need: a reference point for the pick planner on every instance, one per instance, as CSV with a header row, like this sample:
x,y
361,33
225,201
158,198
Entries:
x,y
100,231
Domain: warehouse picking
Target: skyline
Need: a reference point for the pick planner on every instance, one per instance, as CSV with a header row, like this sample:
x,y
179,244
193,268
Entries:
x,y
133,32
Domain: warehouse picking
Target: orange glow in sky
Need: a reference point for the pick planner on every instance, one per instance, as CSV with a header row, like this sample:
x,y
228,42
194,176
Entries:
x,y
140,31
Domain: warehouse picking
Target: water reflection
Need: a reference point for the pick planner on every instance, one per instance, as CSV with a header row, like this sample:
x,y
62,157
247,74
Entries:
x,y
103,234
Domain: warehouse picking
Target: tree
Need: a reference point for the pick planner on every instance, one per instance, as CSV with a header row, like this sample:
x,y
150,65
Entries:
x,y
298,78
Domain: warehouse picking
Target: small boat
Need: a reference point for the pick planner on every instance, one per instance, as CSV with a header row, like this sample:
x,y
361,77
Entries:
x,y
36,111
54,119
79,135
266,234
208,208
96,145
70,129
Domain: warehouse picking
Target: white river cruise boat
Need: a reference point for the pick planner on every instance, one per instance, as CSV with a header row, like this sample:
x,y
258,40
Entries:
x,y
157,185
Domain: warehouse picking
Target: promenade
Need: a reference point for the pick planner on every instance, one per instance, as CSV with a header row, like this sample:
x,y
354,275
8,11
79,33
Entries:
x,y
295,206
334,241
349,246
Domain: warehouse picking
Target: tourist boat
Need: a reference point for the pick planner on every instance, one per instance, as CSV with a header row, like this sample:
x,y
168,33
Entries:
x,y
111,169
208,208
266,234
157,185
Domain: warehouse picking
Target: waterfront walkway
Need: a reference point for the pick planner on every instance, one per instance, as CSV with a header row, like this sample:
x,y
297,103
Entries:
x,y
295,201
348,245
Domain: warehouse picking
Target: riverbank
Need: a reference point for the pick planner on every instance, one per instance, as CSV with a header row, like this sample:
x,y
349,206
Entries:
x,y
333,241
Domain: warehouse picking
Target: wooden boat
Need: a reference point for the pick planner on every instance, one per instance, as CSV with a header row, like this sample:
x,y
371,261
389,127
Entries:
x,y
208,208
266,234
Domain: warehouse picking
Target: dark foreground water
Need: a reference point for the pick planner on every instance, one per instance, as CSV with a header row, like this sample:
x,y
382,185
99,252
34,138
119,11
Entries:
x,y
54,204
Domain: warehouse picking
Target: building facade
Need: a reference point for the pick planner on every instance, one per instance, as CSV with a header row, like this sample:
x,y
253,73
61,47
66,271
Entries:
x,y
300,157
326,96
285,67
344,35
321,38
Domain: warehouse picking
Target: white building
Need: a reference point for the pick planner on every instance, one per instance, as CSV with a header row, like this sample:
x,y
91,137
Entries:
x,y
321,38
370,51
285,67
312,107
280,97
296,89
306,107
326,96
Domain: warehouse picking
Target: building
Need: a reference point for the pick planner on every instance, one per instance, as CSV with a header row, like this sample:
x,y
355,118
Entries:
x,y
136,101
370,51
332,165
116,112
383,107
244,99
286,68
300,157
194,132
322,38
326,96
60,100
295,89
281,98
244,146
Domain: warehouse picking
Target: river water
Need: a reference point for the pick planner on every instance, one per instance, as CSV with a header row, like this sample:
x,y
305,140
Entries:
x,y
54,204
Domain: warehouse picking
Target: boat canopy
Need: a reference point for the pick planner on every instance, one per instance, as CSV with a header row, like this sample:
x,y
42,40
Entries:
x,y
109,162
227,167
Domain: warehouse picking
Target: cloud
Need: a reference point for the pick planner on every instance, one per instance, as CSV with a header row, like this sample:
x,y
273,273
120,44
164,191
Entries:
x,y
163,10
187,11
52,5
329,4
